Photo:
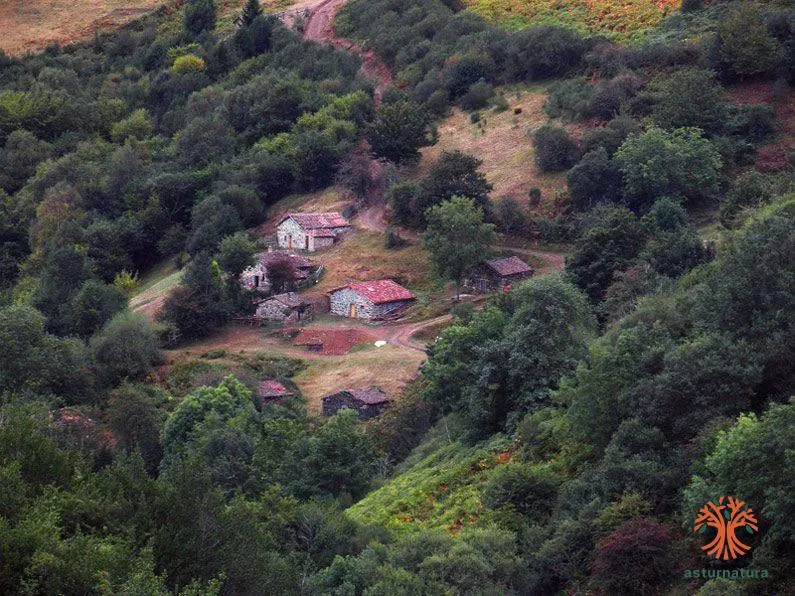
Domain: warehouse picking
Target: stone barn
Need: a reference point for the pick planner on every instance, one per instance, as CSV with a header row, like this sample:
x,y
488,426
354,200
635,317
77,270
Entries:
x,y
271,390
499,273
369,402
371,300
256,277
289,307
310,231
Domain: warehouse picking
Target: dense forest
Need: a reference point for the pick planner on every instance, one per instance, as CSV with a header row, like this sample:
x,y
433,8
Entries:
x,y
560,438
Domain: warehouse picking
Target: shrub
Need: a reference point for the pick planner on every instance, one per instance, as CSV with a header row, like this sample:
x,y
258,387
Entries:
x,y
596,179
478,96
126,348
555,150
511,217
692,5
188,63
752,122
679,163
527,488
637,558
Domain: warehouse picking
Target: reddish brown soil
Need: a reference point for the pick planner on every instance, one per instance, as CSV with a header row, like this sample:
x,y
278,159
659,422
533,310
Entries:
x,y
332,342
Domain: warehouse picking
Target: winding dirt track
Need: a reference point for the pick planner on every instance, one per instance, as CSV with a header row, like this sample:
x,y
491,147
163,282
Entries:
x,y
319,26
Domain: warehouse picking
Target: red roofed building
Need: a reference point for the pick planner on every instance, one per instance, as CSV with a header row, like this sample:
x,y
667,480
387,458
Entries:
x,y
310,231
369,299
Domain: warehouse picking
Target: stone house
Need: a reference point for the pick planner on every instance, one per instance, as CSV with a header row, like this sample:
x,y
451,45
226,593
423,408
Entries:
x,y
369,402
369,299
271,390
498,273
288,307
310,231
256,276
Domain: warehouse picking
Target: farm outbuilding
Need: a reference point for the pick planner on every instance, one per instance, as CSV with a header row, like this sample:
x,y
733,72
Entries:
x,y
498,273
256,276
310,231
369,299
271,390
287,308
368,402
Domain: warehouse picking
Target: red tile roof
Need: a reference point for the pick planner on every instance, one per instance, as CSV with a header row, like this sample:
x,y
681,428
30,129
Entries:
x,y
272,389
379,291
318,221
509,266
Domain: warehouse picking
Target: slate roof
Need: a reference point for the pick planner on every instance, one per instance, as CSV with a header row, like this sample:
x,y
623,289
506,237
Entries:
x,y
270,389
318,221
370,395
509,266
266,258
380,291
290,299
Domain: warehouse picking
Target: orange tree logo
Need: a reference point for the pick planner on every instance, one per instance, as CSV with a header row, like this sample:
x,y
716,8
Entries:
x,y
726,517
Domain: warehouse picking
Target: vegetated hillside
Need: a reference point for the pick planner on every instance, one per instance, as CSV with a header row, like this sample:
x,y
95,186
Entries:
x,y
561,438
678,403
618,20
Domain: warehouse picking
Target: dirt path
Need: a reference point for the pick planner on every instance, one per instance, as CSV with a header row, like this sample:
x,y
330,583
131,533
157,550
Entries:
x,y
319,26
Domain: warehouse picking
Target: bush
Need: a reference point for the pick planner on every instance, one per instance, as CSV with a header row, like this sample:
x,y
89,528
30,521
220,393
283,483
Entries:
x,y
126,348
637,558
527,488
555,150
477,97
511,216
596,179
188,63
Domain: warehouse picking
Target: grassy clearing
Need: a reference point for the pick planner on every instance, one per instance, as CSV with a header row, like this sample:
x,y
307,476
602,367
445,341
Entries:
x,y
389,367
154,288
502,140
441,490
618,20
361,255
30,25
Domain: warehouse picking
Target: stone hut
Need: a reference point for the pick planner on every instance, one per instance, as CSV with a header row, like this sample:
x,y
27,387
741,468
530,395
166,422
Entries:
x,y
271,390
499,273
369,402
370,300
310,231
289,307
256,277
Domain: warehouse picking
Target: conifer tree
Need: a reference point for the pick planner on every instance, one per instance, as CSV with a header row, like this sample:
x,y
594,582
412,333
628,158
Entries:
x,y
251,11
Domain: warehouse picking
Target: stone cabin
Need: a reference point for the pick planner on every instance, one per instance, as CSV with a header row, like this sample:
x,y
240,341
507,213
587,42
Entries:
x,y
369,402
283,308
271,390
256,277
310,231
499,273
370,300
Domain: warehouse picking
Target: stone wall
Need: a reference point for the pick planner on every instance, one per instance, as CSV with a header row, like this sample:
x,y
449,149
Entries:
x,y
341,300
319,242
273,310
288,230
